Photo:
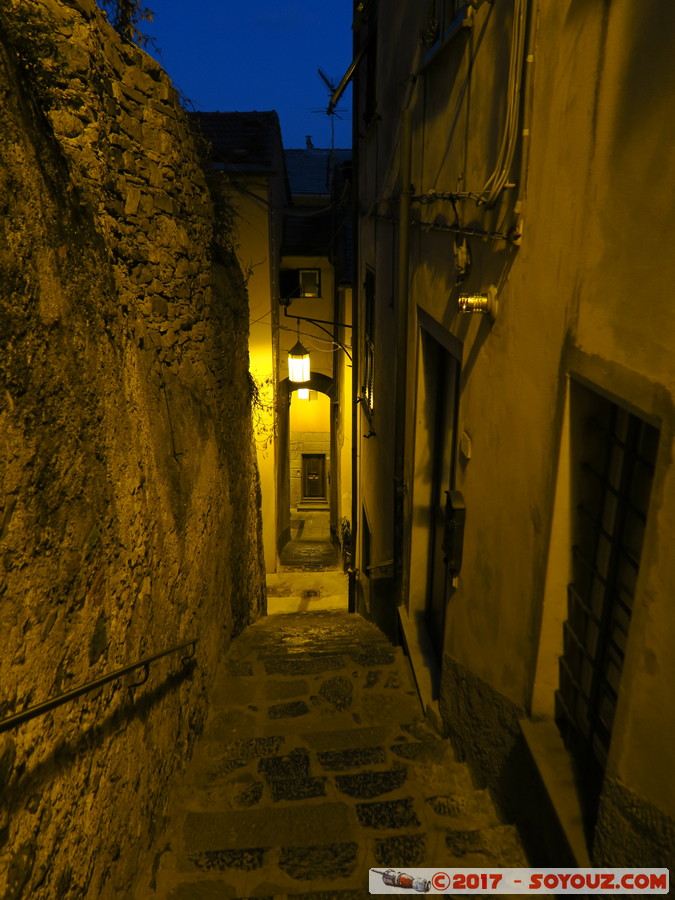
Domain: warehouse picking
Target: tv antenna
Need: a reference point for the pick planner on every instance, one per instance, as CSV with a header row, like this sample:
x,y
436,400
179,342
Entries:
x,y
332,111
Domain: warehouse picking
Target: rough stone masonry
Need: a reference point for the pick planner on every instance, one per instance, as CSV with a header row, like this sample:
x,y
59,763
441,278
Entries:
x,y
129,509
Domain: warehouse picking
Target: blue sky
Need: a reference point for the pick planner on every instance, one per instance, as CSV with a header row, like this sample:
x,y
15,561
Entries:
x,y
261,54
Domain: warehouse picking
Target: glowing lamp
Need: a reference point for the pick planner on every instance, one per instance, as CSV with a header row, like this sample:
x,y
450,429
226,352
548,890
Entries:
x,y
298,363
486,304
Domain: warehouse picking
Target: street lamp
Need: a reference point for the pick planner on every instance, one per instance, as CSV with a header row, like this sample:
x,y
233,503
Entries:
x,y
485,304
298,363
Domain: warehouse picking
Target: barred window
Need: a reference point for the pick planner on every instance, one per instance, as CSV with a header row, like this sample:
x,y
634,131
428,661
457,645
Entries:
x,y
613,463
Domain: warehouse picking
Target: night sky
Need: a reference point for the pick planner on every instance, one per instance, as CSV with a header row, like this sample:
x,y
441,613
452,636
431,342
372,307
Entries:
x,y
259,55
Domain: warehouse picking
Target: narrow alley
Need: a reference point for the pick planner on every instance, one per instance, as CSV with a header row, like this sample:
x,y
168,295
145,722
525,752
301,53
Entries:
x,y
336,481
316,763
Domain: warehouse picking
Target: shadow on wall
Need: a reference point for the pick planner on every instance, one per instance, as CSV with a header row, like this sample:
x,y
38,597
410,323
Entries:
x,y
66,753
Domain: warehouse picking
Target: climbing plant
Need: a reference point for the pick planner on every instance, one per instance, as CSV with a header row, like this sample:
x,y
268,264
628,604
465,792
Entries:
x,y
29,31
126,17
262,410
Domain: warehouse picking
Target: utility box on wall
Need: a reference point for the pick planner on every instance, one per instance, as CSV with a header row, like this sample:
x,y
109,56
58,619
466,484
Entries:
x,y
453,537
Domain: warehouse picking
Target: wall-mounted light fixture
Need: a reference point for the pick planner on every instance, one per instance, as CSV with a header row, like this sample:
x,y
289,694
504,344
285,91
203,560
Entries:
x,y
486,304
298,368
303,393
298,363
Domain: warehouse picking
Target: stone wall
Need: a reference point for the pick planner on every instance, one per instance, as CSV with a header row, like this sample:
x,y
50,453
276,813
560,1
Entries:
x,y
483,725
125,446
631,829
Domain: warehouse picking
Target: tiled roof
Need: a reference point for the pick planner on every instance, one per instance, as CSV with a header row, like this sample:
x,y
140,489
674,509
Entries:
x,y
310,171
242,141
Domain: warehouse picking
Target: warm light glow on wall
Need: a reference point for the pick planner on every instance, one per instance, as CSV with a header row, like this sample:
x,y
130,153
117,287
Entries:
x,y
298,363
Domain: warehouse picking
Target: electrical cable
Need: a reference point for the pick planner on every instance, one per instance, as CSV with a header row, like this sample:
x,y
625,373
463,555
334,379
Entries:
x,y
260,318
498,179
337,345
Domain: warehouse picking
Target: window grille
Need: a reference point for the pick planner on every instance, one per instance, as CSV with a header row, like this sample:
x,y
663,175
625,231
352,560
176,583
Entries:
x,y
614,474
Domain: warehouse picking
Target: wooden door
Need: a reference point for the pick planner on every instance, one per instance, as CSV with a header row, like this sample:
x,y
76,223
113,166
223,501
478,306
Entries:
x,y
313,476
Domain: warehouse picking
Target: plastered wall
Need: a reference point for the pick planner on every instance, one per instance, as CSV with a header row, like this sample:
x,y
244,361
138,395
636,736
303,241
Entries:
x,y
583,293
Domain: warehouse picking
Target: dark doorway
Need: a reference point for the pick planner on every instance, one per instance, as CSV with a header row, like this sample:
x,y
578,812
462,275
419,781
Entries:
x,y
443,396
313,476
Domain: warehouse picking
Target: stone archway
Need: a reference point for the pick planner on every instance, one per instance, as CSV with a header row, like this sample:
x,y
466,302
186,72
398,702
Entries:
x,y
324,385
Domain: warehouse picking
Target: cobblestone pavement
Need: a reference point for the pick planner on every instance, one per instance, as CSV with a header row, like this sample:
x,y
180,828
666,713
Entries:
x,y
293,591
306,554
315,765
310,546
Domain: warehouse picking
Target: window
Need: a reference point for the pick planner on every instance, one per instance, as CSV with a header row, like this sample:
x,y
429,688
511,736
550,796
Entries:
x,y
294,283
614,454
310,282
368,341
443,18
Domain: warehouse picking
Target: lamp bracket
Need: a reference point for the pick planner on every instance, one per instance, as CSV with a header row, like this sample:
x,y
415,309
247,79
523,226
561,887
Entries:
x,y
313,321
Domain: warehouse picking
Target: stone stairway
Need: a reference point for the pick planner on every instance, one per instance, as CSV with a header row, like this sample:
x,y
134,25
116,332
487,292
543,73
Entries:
x,y
316,764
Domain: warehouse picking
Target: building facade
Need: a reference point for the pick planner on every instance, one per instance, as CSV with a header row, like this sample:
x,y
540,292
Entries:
x,y
514,502
315,303
290,209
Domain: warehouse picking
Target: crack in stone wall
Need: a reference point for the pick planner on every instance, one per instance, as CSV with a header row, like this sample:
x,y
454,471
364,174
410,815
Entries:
x,y
129,499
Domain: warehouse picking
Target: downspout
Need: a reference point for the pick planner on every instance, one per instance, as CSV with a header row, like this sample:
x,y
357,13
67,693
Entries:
x,y
528,98
356,412
402,338
356,353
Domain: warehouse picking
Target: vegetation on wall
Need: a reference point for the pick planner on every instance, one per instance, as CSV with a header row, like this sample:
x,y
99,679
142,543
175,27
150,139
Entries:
x,y
31,36
262,409
126,17
128,490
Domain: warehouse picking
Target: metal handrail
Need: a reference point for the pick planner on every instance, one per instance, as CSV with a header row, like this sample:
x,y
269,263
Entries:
x,y
33,711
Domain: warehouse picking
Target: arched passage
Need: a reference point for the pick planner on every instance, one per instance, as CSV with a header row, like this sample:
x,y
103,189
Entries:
x,y
288,494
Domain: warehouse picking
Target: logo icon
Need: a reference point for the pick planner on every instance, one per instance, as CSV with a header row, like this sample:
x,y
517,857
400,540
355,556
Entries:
x,y
440,881
400,879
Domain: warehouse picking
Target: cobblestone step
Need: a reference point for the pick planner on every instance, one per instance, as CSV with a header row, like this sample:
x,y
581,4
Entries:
x,y
316,764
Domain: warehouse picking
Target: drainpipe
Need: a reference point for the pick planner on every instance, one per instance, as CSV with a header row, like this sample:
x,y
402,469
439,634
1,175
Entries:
x,y
356,412
356,351
402,340
528,98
